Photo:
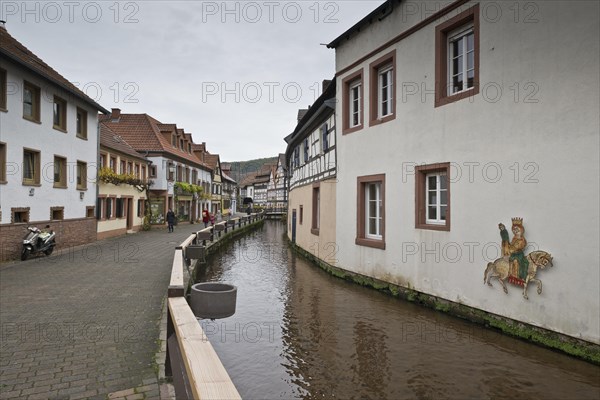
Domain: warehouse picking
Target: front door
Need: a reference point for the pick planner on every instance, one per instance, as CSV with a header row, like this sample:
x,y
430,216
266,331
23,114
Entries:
x,y
129,208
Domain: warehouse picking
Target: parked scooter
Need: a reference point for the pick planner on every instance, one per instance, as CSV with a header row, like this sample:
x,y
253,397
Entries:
x,y
38,241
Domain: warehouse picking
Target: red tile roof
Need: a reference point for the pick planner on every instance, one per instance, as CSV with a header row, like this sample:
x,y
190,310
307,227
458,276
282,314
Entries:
x,y
111,140
15,51
145,134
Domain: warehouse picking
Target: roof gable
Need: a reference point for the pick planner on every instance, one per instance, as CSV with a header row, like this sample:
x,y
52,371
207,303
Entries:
x,y
18,53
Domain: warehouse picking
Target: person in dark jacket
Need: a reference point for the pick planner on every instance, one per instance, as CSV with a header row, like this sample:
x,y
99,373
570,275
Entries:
x,y
170,219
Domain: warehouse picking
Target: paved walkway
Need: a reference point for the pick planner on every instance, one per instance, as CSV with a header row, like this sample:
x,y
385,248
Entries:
x,y
84,323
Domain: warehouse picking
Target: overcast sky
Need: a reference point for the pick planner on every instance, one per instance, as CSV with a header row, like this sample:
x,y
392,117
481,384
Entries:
x,y
233,74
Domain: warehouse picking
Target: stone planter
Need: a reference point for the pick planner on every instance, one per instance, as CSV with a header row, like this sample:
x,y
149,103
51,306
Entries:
x,y
213,300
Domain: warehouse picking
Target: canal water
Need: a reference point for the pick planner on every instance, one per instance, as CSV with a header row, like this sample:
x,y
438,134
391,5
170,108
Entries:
x,y
301,333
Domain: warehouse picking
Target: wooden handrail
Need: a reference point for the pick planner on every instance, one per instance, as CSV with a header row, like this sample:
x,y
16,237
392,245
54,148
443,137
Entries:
x,y
207,377
176,283
186,242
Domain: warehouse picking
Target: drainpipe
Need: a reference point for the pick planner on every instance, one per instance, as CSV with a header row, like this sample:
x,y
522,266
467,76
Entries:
x,y
97,164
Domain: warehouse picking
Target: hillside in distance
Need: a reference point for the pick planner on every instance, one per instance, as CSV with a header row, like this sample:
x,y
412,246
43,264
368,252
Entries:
x,y
239,169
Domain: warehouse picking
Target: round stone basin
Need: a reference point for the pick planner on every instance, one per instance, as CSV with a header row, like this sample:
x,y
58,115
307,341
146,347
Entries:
x,y
213,300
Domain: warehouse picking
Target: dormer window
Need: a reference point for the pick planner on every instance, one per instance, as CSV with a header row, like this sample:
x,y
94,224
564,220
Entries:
x,y
181,144
173,140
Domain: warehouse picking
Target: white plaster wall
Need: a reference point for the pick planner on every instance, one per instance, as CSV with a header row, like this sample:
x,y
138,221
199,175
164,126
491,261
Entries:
x,y
557,193
19,133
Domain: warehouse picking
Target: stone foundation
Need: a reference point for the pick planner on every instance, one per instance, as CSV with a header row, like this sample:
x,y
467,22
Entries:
x,y
72,232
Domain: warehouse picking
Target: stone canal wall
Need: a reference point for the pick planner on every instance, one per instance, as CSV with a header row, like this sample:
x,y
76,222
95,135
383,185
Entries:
x,y
575,347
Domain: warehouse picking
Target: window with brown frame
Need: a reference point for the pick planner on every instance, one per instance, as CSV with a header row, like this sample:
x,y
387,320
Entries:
x,y
457,57
31,167
370,218
316,209
31,102
102,160
19,214
81,123
59,114
352,109
57,213
3,89
432,191
109,209
81,175
140,207
2,162
113,164
122,170
153,171
60,172
144,176
90,211
382,90
100,208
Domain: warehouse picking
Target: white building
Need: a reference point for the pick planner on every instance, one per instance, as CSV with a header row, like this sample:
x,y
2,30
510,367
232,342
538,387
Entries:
x,y
48,151
277,187
458,119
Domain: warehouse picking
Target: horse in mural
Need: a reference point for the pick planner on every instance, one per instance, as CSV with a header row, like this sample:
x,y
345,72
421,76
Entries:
x,y
500,269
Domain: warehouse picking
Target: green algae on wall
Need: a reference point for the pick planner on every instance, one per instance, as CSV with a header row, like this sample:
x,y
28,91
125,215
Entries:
x,y
575,347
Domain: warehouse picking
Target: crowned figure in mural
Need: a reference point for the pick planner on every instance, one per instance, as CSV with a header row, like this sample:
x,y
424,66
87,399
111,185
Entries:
x,y
514,265
515,248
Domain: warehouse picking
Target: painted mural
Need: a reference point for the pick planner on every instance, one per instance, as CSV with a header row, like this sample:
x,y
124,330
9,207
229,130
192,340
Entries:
x,y
514,265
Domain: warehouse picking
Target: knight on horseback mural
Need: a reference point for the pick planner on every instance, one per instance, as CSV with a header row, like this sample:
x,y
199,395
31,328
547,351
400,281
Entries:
x,y
514,265
515,248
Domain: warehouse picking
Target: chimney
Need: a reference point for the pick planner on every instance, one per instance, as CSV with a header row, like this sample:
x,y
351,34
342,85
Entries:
x,y
115,114
2,24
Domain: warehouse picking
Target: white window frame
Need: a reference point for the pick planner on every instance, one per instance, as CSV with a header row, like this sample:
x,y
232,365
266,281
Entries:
x,y
354,104
460,34
388,71
378,213
438,199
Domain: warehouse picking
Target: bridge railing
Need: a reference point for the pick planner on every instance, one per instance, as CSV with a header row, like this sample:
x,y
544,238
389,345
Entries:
x,y
191,361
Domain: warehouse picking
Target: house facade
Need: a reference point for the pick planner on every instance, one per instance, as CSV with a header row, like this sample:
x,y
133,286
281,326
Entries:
x,y
179,178
311,162
217,183
247,188
122,186
261,185
454,141
277,187
48,151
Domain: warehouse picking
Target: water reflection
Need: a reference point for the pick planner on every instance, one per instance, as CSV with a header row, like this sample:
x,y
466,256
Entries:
x,y
300,333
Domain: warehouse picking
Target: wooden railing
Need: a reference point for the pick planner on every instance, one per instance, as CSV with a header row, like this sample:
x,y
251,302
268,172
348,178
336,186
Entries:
x,y
191,362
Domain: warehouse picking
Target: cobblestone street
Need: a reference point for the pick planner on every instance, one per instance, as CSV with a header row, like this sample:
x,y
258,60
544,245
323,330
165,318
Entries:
x,y
84,323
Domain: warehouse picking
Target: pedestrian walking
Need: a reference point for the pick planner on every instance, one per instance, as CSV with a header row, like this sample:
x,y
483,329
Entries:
x,y
212,219
170,219
205,218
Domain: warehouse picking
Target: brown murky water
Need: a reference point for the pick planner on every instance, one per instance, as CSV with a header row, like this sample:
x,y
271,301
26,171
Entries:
x,y
300,333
